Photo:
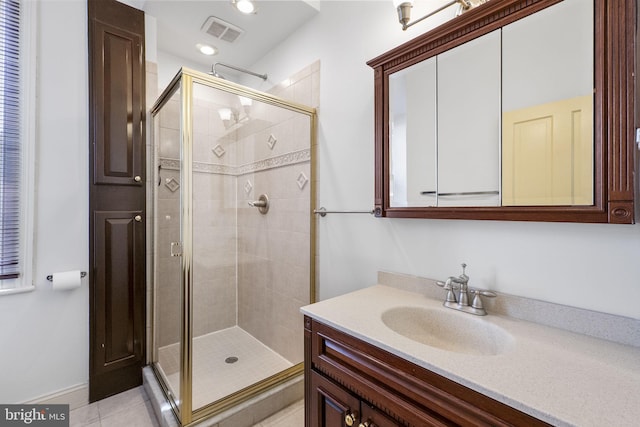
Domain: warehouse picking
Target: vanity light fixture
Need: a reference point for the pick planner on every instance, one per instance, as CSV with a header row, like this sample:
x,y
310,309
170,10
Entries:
x,y
233,116
404,10
245,6
226,114
246,104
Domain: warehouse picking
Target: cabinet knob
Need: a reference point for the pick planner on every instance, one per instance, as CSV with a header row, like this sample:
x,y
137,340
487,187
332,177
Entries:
x,y
138,218
367,423
351,419
137,178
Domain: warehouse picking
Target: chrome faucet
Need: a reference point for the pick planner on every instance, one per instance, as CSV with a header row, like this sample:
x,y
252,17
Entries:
x,y
461,302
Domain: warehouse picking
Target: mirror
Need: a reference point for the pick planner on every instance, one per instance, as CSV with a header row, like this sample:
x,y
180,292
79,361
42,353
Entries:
x,y
510,112
547,107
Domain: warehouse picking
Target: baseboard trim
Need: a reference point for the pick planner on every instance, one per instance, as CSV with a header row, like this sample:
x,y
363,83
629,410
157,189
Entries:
x,y
75,396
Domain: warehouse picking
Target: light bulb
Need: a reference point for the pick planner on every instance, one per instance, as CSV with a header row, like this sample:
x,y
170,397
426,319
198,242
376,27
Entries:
x,y
397,3
244,101
225,114
205,49
245,6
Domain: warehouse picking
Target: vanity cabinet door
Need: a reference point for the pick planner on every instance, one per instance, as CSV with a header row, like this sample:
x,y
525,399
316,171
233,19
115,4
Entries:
x,y
331,404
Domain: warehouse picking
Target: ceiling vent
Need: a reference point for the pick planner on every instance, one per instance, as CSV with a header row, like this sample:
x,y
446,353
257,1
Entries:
x,y
221,30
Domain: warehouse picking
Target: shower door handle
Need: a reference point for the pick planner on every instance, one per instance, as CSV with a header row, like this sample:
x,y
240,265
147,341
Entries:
x,y
176,248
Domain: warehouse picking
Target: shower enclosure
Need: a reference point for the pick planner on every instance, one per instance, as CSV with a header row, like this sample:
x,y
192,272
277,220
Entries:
x,y
233,241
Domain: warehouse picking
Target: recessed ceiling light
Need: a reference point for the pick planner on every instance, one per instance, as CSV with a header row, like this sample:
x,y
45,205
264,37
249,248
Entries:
x,y
245,6
206,49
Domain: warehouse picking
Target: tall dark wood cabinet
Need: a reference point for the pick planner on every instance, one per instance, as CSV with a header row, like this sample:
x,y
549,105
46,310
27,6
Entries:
x,y
117,197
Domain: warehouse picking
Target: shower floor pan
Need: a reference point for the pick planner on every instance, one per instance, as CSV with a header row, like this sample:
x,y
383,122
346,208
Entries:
x,y
223,362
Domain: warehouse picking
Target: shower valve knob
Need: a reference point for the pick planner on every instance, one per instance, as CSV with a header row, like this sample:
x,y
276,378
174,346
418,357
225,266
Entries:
x,y
262,204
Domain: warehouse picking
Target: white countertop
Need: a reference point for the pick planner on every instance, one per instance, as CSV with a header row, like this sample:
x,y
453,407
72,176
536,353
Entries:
x,y
560,377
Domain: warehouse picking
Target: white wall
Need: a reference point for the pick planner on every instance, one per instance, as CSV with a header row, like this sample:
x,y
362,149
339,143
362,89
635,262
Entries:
x,y
583,265
45,335
169,65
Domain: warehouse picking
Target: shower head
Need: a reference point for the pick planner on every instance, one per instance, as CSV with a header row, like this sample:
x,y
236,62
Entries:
x,y
214,73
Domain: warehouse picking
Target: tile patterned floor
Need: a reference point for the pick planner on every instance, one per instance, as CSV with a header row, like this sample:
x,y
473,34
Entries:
x,y
291,416
132,409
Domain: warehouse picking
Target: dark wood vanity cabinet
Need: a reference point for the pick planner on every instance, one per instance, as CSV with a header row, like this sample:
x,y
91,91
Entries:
x,y
351,383
332,405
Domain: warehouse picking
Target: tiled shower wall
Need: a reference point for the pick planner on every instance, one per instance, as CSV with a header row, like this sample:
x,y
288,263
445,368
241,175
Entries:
x,y
270,154
274,252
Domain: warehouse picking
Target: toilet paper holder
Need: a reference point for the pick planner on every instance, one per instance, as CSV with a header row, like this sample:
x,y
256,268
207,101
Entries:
x,y
50,277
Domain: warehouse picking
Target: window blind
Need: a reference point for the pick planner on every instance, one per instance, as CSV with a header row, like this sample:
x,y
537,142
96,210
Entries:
x,y
10,156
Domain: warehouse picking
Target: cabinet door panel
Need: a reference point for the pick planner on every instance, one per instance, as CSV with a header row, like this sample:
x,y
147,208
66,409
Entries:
x,y
469,123
412,135
119,289
547,154
330,404
118,120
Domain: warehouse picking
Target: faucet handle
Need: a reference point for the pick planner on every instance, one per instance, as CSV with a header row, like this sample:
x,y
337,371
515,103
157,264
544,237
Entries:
x,y
477,301
484,292
449,287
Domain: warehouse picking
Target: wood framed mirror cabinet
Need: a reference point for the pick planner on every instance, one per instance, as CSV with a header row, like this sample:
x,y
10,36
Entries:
x,y
476,80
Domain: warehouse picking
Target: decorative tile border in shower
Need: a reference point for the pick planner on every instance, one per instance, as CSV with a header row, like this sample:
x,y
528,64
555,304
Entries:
x,y
292,158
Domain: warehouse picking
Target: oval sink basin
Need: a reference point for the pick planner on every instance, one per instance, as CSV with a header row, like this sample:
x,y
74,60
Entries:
x,y
448,330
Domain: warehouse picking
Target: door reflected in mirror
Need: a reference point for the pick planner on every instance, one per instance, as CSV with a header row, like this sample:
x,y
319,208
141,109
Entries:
x,y
505,119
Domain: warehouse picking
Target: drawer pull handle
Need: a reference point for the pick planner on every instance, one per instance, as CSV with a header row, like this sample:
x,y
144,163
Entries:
x,y
351,419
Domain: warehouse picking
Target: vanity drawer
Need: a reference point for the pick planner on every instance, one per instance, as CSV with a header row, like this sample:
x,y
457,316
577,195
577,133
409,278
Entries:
x,y
405,392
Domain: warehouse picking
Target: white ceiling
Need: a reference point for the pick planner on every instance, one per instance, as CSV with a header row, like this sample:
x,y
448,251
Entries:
x,y
179,24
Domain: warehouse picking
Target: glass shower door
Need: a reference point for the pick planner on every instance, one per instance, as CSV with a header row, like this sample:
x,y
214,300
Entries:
x,y
251,266
168,311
